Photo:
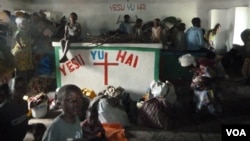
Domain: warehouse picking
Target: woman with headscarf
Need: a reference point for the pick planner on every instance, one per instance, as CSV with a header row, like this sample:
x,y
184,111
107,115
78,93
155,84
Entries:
x,y
202,82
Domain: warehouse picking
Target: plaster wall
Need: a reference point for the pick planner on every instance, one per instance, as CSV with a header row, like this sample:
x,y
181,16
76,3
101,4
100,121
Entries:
x,y
100,16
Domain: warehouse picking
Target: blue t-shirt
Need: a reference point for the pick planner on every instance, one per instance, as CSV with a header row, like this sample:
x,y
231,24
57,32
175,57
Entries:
x,y
125,28
194,38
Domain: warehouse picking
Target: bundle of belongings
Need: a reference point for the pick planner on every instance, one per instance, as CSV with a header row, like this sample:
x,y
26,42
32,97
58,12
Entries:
x,y
110,106
156,106
115,111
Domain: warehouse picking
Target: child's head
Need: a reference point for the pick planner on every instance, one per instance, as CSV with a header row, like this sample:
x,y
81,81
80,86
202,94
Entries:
x,y
138,22
73,17
70,99
18,87
156,22
4,92
126,18
216,28
196,21
92,116
181,26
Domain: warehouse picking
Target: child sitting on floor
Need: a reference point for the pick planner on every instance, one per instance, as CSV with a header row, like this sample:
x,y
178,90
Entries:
x,y
92,127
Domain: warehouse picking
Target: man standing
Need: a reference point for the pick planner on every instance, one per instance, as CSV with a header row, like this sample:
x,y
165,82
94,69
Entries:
x,y
125,27
194,36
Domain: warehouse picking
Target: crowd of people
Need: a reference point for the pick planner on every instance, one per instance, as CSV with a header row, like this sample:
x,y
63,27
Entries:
x,y
173,34
33,35
30,37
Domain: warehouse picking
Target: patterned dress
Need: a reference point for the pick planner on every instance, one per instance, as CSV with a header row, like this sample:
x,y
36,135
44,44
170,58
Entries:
x,y
23,55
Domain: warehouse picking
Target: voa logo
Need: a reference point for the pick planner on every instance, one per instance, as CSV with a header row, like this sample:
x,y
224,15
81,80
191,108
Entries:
x,y
236,132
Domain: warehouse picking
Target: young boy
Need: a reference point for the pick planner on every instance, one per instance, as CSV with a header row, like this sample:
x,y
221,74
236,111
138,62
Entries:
x,y
156,31
92,127
72,34
125,27
67,125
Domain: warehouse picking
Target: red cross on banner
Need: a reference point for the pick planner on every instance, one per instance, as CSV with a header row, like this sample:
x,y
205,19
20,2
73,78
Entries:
x,y
106,64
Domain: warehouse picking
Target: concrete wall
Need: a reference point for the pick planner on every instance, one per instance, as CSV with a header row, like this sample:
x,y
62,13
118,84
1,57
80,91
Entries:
x,y
221,38
234,22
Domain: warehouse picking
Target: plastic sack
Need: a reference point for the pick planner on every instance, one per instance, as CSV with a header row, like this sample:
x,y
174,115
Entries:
x,y
164,89
111,114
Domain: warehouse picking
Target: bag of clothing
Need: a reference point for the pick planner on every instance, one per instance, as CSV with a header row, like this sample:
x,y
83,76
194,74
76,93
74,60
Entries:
x,y
154,113
111,114
109,110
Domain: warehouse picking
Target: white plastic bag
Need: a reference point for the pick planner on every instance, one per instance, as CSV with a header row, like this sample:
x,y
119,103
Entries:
x,y
164,89
110,114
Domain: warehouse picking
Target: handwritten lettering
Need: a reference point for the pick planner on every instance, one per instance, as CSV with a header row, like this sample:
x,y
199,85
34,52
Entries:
x,y
62,69
141,7
99,54
77,61
117,7
131,7
131,59
72,65
121,56
128,7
